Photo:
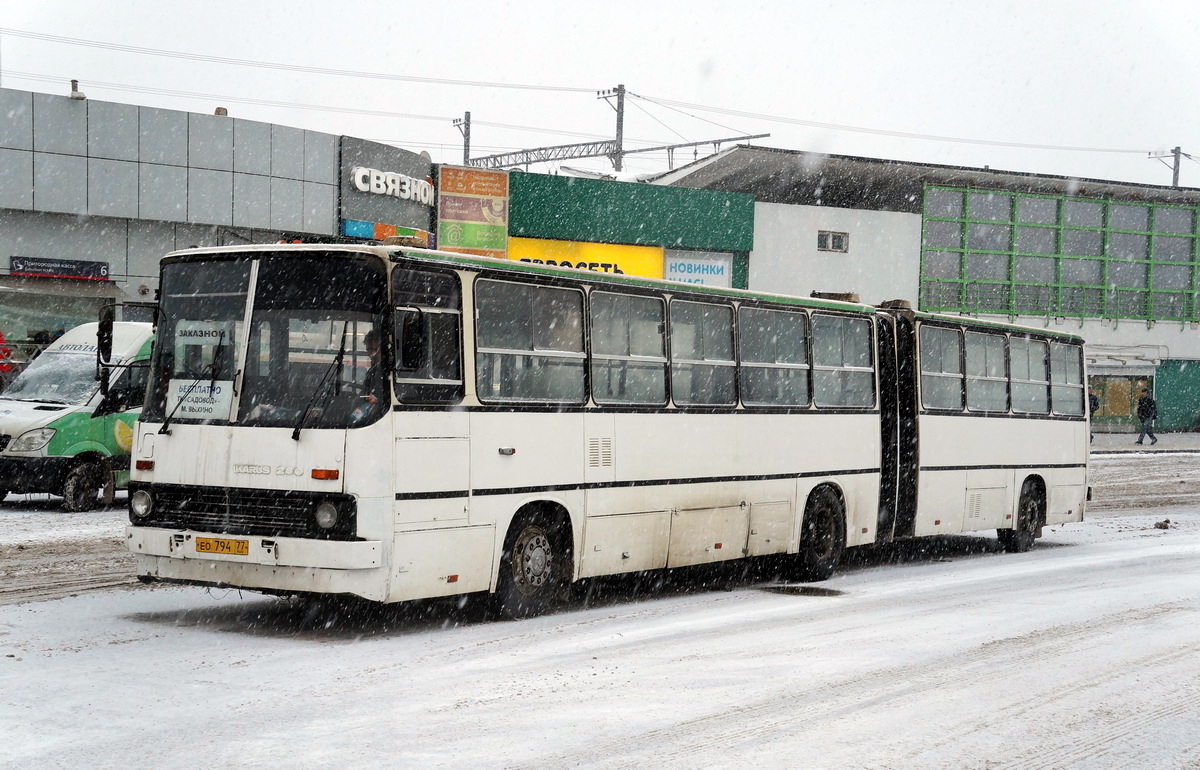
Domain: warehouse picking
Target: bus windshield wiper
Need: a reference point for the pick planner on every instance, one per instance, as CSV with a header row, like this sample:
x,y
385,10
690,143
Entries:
x,y
334,366
210,370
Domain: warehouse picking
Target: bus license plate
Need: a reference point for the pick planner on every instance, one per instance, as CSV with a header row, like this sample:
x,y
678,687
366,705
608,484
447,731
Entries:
x,y
222,545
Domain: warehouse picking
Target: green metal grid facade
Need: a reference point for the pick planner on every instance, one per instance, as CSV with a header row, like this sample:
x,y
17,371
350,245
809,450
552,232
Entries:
x,y
1005,253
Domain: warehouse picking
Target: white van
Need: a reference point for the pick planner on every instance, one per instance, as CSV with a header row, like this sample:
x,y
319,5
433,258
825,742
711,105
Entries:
x,y
58,434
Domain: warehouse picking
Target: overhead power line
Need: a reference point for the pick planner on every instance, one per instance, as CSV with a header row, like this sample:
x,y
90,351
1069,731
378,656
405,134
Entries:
x,y
875,131
668,103
279,65
288,105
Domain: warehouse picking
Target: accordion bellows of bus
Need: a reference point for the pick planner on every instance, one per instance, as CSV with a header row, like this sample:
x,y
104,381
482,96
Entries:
x,y
400,424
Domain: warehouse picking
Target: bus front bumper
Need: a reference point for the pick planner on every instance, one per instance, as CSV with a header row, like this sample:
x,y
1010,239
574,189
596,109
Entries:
x,y
205,547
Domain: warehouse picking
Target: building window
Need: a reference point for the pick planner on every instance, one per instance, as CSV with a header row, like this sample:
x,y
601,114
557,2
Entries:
x,y
993,251
831,241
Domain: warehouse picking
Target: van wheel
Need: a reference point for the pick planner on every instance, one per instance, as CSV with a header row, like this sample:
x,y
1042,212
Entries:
x,y
822,536
1029,511
82,487
533,568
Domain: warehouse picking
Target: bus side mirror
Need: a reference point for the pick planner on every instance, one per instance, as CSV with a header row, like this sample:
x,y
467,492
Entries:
x,y
104,344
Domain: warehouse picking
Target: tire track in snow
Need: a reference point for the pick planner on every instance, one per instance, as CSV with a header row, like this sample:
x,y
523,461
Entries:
x,y
702,738
1005,716
1181,701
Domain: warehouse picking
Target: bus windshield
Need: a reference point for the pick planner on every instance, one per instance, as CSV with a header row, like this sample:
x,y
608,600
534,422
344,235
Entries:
x,y
56,378
310,356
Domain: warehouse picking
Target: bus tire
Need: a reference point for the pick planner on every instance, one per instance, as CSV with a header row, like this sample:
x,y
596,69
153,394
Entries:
x,y
533,567
81,488
1029,514
822,536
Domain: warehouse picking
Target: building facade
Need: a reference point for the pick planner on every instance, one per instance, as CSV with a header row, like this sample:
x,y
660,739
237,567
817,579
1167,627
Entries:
x,y
1111,261
93,194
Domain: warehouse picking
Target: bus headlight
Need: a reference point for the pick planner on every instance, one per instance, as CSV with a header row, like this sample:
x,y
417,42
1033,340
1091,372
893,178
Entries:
x,y
326,515
140,503
32,441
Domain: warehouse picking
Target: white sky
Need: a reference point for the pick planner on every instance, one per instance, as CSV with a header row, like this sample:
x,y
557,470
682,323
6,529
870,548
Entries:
x,y
1079,73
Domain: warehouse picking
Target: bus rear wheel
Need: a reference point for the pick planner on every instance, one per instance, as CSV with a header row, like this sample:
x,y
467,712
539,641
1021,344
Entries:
x,y
822,536
81,488
533,568
1029,512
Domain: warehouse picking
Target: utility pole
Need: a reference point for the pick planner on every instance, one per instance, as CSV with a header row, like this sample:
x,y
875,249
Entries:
x,y
619,152
1177,154
464,128
614,149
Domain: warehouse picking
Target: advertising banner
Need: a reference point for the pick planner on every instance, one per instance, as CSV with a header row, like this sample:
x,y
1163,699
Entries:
x,y
383,187
473,211
707,268
646,261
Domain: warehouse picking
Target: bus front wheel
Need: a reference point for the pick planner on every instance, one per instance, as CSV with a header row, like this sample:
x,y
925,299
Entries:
x,y
533,568
822,536
1029,513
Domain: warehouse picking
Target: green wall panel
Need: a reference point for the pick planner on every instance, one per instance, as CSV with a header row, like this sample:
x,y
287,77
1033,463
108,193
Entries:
x,y
574,209
1177,390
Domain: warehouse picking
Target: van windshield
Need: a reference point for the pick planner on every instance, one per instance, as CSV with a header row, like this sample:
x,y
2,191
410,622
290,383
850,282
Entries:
x,y
56,378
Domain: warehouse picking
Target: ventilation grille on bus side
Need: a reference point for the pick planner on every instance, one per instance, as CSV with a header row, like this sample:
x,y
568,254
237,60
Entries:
x,y
600,453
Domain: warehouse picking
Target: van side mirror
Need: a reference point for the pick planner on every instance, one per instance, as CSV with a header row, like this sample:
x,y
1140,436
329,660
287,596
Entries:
x,y
114,401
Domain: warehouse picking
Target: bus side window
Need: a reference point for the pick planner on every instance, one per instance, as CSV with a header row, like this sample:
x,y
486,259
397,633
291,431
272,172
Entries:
x,y
629,363
529,342
1030,372
774,355
987,383
1066,378
702,365
427,333
843,373
941,368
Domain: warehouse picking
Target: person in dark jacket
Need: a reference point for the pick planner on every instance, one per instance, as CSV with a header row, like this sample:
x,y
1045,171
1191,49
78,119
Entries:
x,y
1147,411
1093,407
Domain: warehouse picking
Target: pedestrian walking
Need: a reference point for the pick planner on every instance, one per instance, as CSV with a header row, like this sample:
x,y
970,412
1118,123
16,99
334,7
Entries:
x,y
1093,407
1147,411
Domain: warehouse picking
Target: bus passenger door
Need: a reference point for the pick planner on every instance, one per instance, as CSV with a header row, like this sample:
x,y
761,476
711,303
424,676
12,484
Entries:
x,y
908,439
889,427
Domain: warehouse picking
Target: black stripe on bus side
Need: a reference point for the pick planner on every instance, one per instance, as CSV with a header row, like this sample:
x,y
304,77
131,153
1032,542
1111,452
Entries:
x,y
1000,467
629,484
576,409
432,495
1005,416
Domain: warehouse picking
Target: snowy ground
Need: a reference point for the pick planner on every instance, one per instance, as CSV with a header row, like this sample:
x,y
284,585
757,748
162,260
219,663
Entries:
x,y
1083,653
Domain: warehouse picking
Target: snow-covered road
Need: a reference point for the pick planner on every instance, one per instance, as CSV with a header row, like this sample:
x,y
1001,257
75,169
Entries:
x,y
1084,652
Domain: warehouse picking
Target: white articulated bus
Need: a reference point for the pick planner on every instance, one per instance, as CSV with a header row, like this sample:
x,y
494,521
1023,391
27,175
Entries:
x,y
401,424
